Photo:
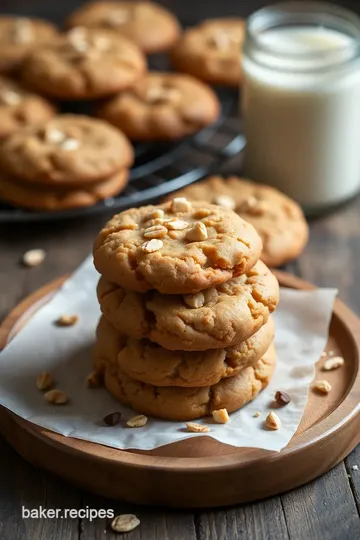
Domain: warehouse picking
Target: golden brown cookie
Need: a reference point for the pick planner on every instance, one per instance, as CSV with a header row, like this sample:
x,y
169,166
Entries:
x,y
84,64
149,363
19,36
163,106
215,318
20,108
14,191
174,403
152,27
278,219
211,51
67,151
177,247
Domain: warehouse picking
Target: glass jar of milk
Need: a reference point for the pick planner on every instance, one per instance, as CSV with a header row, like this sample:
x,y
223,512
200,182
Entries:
x,y
301,101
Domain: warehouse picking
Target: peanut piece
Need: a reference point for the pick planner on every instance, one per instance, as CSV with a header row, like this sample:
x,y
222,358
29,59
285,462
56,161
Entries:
x,y
225,201
221,416
44,381
56,397
152,245
137,421
194,300
272,421
333,363
67,320
176,224
125,523
180,204
156,231
33,257
324,387
197,428
197,232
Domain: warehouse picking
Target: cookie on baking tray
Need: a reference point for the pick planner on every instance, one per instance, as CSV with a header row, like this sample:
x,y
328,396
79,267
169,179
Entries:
x,y
84,64
176,403
278,219
219,317
163,106
211,51
149,363
20,108
152,27
19,36
69,150
176,247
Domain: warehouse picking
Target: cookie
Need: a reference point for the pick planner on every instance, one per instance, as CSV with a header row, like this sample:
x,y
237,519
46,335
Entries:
x,y
152,27
50,198
19,36
84,64
20,108
176,247
149,363
211,51
278,219
67,151
215,318
174,403
163,106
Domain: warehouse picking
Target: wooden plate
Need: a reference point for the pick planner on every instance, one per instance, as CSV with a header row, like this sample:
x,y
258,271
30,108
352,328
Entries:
x,y
203,472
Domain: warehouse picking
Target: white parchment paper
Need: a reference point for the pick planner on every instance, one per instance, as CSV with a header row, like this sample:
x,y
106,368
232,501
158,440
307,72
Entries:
x,y
302,321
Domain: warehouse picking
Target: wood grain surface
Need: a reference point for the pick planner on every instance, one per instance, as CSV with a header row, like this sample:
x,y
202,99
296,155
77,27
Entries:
x,y
327,508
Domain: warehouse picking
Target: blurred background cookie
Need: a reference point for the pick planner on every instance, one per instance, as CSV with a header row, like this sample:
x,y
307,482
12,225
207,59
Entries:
x,y
278,219
163,106
84,64
19,36
20,108
152,27
211,51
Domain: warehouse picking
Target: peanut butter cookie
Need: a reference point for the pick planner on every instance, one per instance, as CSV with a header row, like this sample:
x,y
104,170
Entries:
x,y
152,27
67,151
218,317
20,108
177,247
162,106
19,36
53,198
278,219
149,363
174,403
84,64
211,51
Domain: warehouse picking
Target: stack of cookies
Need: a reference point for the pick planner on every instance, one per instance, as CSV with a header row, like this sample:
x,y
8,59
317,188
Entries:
x,y
186,327
69,161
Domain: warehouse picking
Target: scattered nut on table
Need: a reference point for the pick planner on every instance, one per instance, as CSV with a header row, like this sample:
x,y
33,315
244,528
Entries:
x,y
273,421
67,320
137,421
125,523
282,398
56,397
324,387
44,380
33,257
257,414
333,363
197,428
221,416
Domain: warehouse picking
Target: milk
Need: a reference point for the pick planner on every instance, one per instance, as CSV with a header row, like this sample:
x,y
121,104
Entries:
x,y
301,107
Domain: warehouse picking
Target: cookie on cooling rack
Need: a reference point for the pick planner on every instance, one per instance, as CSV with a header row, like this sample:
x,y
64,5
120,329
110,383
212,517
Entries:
x,y
84,64
211,51
19,36
152,27
163,106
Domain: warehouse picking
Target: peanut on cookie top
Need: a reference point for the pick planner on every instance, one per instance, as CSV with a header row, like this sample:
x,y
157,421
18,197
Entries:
x,y
152,27
84,63
176,247
69,149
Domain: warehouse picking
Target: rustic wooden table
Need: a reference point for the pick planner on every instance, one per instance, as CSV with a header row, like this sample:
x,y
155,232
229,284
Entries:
x,y
326,508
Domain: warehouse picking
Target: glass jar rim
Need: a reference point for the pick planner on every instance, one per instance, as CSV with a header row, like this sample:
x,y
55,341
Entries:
x,y
334,16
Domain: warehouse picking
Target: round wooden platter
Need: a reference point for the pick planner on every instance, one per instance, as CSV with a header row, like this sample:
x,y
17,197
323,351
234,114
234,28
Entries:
x,y
201,472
